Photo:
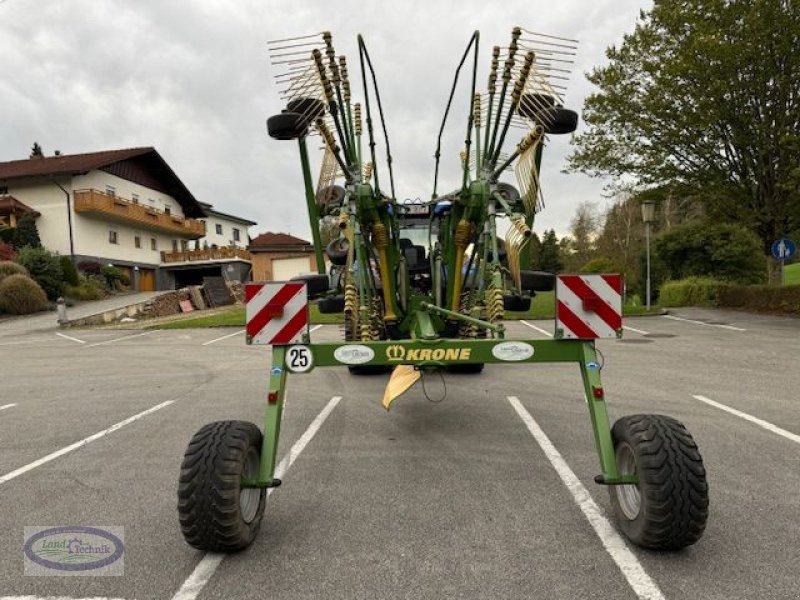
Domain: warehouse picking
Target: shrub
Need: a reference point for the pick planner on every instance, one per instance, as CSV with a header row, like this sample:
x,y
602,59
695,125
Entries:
x,y
762,298
11,268
45,268
7,252
7,235
88,288
21,295
115,278
90,267
693,291
69,271
703,249
26,233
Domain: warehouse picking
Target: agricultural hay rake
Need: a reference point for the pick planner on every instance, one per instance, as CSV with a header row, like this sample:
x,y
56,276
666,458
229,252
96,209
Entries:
x,y
424,285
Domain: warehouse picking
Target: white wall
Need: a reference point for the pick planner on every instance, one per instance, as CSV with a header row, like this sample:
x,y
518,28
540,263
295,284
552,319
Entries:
x,y
90,233
212,237
45,197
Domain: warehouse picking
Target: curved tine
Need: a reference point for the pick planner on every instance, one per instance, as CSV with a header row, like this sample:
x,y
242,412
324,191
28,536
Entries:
x,y
554,37
293,39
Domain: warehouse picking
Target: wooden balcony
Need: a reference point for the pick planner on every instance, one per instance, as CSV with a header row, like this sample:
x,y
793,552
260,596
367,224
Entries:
x,y
208,254
113,208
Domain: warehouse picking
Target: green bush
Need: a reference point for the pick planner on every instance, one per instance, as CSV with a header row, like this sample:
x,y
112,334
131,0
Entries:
x,y
703,249
693,291
762,298
21,295
601,264
45,268
88,288
11,268
115,278
69,271
7,235
26,233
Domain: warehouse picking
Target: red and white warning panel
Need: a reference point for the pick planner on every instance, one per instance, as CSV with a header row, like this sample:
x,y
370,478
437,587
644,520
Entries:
x,y
276,312
589,306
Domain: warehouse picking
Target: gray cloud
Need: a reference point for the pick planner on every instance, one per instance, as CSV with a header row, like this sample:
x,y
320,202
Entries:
x,y
193,79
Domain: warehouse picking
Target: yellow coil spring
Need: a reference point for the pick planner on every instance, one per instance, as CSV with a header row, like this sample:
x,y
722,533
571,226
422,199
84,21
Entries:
x,y
379,237
367,171
350,298
494,304
344,219
476,110
357,110
461,237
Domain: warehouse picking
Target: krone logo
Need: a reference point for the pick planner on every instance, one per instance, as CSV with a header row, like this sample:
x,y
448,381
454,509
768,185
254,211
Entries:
x,y
395,352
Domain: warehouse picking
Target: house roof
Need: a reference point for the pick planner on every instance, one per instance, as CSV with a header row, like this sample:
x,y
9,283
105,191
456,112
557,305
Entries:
x,y
10,205
270,239
210,210
78,164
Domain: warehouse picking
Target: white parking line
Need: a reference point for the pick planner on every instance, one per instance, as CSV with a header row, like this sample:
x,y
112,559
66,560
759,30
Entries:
x,y
127,337
639,331
224,337
731,327
641,583
743,415
54,455
205,569
539,329
5,406
70,338
314,328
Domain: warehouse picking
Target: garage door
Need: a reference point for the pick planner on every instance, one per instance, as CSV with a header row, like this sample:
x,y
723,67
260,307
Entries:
x,y
286,268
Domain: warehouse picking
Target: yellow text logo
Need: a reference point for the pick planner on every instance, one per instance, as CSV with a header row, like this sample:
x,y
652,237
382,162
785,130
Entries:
x,y
397,353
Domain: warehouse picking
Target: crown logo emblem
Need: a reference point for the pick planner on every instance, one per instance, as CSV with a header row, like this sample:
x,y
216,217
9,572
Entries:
x,y
395,352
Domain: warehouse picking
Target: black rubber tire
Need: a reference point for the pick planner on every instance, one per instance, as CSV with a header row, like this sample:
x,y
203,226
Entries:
x,y
465,369
331,304
330,198
537,281
287,126
309,108
558,120
316,284
673,490
336,251
509,193
516,303
208,489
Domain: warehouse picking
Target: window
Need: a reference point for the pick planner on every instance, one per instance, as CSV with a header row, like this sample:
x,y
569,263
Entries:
x,y
153,244
218,229
111,191
3,190
137,241
113,238
174,245
236,237
167,210
184,245
135,198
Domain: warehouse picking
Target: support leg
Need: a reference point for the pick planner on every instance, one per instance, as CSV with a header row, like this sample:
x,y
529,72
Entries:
x,y
272,417
595,400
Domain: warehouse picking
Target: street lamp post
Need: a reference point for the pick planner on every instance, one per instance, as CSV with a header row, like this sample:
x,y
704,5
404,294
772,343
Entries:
x,y
648,216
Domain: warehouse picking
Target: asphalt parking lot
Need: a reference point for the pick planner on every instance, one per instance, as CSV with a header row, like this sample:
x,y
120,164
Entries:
x,y
453,499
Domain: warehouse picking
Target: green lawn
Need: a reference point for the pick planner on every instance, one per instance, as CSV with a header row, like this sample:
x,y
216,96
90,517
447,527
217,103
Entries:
x,y
793,274
542,307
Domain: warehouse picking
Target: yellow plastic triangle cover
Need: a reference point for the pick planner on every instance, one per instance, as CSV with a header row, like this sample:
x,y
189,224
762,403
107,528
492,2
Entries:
x,y
403,377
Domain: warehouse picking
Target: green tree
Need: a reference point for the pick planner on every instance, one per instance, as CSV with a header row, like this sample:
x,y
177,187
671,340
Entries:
x,y
535,252
328,230
550,257
702,95
583,231
44,268
26,233
721,250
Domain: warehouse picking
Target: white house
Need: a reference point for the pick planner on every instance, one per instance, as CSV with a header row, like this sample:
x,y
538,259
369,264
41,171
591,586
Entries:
x,y
224,230
125,208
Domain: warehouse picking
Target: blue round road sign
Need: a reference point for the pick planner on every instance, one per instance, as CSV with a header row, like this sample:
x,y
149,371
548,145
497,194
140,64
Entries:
x,y
783,249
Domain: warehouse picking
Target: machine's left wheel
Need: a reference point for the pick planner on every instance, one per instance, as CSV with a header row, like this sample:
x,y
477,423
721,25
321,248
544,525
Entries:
x,y
216,513
668,508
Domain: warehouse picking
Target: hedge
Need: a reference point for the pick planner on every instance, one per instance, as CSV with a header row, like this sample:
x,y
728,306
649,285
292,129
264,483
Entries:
x,y
704,291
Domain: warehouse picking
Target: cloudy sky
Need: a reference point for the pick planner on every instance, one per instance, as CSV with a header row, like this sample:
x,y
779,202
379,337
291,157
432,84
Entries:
x,y
192,78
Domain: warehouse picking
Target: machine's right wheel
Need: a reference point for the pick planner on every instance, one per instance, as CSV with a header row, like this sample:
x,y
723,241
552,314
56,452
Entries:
x,y
215,512
668,508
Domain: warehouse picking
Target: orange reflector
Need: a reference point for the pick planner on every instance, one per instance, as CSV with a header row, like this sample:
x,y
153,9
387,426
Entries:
x,y
272,398
597,392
